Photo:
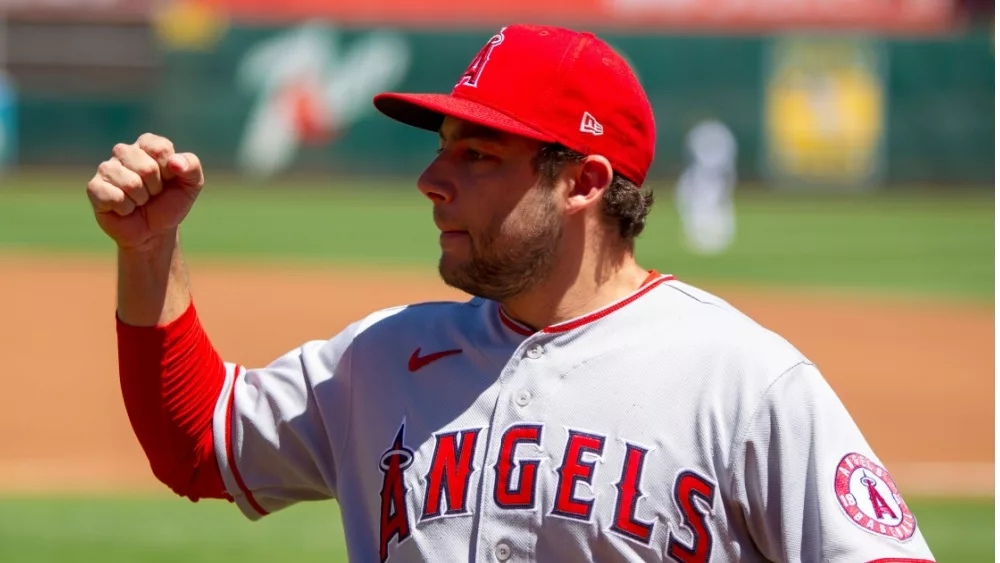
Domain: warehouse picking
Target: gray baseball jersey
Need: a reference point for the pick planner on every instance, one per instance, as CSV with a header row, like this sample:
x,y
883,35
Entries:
x,y
665,427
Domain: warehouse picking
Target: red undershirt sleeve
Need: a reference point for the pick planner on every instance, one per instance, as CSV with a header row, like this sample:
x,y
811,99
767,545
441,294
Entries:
x,y
171,377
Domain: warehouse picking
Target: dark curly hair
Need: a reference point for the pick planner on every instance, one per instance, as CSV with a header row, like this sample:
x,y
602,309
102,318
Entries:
x,y
624,204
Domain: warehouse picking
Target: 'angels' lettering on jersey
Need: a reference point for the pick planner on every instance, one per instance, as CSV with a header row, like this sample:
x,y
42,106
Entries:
x,y
446,488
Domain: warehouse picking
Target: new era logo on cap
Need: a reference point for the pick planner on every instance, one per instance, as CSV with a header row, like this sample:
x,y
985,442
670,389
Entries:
x,y
591,125
549,84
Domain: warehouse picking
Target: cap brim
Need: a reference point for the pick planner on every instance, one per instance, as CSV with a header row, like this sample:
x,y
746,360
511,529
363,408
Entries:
x,y
427,111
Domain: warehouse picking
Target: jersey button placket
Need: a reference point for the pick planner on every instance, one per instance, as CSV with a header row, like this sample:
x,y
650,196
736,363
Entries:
x,y
518,396
534,352
502,551
523,398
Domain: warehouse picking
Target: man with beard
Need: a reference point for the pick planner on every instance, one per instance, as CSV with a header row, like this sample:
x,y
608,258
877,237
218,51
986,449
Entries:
x,y
578,407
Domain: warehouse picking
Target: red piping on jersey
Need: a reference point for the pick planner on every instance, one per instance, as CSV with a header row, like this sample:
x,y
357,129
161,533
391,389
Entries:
x,y
652,280
229,448
512,324
607,310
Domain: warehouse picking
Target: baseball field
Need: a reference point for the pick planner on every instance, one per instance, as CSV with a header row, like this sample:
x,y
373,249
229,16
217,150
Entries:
x,y
892,296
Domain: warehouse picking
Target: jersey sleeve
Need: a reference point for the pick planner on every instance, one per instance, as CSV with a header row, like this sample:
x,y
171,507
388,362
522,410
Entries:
x,y
809,486
279,429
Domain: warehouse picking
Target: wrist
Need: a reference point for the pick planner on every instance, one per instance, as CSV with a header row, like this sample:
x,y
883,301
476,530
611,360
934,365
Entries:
x,y
155,245
152,282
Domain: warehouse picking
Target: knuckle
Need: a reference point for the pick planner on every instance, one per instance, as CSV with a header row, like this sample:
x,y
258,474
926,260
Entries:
x,y
147,171
155,144
105,168
120,149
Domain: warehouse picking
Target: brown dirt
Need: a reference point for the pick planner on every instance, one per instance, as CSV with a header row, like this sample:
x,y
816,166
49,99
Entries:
x,y
917,376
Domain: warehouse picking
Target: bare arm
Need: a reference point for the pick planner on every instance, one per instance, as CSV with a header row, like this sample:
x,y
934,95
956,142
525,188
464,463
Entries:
x,y
153,286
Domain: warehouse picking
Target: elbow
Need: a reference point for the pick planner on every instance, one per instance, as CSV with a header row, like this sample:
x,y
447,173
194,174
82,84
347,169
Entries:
x,y
194,476
177,442
180,451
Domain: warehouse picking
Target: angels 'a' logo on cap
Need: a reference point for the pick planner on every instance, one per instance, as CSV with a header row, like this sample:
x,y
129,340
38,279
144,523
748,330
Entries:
x,y
870,498
589,124
478,64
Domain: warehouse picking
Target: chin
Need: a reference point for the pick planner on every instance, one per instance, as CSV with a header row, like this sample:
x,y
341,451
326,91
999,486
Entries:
x,y
450,268
452,261
455,273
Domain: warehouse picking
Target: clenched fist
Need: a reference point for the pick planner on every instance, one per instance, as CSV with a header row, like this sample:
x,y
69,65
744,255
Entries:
x,y
143,192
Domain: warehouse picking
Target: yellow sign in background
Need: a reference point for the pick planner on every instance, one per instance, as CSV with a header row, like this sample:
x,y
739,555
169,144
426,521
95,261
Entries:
x,y
824,112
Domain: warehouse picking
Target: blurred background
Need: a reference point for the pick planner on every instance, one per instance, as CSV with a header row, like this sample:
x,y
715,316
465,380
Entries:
x,y
825,165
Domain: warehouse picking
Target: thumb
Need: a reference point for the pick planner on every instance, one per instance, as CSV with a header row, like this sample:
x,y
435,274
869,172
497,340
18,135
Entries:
x,y
187,169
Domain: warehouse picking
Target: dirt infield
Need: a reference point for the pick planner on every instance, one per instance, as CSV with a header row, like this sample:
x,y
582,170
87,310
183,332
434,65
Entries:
x,y
918,377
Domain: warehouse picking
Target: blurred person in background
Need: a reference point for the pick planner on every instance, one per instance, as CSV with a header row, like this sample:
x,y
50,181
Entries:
x,y
704,192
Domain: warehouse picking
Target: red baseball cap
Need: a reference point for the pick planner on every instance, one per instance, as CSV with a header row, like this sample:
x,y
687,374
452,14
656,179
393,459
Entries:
x,y
551,84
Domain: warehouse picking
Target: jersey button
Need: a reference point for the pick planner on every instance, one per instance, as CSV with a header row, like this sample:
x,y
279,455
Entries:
x,y
523,398
502,552
535,352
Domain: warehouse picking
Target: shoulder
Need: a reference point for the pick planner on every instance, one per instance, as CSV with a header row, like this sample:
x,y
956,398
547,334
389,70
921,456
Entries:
x,y
716,332
396,322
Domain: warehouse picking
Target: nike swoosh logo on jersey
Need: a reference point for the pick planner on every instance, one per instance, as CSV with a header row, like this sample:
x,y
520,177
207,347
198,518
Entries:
x,y
417,361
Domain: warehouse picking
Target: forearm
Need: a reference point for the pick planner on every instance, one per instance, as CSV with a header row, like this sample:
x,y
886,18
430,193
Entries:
x,y
170,374
153,287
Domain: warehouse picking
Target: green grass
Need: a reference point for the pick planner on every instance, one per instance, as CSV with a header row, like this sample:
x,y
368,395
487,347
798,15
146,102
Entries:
x,y
957,530
909,243
161,530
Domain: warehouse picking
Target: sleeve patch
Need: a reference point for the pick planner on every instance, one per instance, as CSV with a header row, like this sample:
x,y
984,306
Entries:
x,y
870,499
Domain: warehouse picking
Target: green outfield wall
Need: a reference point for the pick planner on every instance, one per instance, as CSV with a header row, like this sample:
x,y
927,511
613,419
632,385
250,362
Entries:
x,y
833,110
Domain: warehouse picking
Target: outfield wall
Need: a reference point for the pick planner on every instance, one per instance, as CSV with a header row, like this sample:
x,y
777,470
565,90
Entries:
x,y
842,110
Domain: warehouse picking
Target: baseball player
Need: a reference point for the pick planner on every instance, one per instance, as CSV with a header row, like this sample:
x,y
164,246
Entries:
x,y
704,192
577,407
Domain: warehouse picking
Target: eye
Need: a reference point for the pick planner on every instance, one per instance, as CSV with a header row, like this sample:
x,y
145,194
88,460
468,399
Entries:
x,y
467,154
474,155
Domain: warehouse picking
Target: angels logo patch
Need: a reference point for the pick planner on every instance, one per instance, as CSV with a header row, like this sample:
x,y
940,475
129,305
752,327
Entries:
x,y
870,498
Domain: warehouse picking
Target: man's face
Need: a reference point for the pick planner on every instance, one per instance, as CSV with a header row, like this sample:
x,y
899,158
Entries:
x,y
500,223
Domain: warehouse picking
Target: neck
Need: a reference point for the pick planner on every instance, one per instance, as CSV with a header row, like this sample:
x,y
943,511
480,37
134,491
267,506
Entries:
x,y
569,293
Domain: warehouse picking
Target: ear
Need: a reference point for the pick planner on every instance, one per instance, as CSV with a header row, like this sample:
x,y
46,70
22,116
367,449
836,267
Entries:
x,y
593,176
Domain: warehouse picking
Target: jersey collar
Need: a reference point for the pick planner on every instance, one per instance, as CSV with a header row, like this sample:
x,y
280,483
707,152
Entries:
x,y
652,280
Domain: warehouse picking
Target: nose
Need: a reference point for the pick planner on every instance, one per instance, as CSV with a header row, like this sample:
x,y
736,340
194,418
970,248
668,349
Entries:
x,y
435,184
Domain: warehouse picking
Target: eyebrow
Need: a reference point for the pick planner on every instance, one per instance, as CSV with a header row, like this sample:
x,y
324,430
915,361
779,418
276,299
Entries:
x,y
474,132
